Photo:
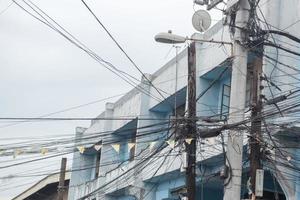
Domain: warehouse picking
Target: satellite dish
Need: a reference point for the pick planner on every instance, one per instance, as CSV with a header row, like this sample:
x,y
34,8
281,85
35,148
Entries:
x,y
201,20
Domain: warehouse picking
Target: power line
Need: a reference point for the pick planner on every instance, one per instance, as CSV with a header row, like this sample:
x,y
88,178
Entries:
x,y
5,9
83,47
105,137
139,164
78,118
124,52
67,109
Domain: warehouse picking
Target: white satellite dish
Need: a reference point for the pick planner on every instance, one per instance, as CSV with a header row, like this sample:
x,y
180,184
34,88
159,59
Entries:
x,y
201,20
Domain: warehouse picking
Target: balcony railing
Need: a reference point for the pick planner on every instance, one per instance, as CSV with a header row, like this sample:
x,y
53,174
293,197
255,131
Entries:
x,y
86,188
107,182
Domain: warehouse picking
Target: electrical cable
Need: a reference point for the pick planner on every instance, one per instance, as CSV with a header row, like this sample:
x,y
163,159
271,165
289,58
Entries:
x,y
124,52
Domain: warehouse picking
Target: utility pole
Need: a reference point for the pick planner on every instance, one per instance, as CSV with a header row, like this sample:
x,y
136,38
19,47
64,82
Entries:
x,y
255,132
191,127
191,124
176,81
232,184
61,184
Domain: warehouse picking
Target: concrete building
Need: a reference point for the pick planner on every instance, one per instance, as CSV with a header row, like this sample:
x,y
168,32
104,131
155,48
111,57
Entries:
x,y
120,175
284,16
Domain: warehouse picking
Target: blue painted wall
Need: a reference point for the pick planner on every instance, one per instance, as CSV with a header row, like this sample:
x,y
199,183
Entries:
x,y
163,189
126,198
210,103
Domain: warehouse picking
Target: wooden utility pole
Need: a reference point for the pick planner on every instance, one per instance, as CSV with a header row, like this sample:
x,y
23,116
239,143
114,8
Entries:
x,y
61,184
191,124
255,131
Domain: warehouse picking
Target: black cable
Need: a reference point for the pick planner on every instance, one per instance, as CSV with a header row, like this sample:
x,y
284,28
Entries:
x,y
281,47
43,158
81,46
212,83
124,52
285,34
67,109
97,135
77,118
129,170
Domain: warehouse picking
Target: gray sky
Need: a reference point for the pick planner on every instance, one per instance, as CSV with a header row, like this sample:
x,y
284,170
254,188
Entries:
x,y
41,72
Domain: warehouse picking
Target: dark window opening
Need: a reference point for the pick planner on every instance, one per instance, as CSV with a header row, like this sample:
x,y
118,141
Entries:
x,y
225,101
98,158
174,132
132,150
180,110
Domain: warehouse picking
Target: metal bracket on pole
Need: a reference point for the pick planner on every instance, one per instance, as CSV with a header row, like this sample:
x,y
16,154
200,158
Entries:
x,y
213,3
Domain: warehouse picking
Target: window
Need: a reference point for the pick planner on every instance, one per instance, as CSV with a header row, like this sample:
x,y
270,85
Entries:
x,y
249,88
178,193
98,157
132,150
225,101
125,153
180,110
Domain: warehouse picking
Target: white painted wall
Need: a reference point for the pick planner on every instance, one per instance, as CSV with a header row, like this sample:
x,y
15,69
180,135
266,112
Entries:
x,y
285,16
210,55
128,108
164,78
96,126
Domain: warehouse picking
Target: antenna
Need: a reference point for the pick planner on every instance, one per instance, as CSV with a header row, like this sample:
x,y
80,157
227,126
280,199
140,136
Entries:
x,y
201,20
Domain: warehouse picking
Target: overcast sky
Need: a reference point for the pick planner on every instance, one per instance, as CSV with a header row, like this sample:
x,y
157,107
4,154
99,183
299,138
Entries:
x,y
41,72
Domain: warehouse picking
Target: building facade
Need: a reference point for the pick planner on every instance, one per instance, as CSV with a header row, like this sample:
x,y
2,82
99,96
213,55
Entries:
x,y
138,159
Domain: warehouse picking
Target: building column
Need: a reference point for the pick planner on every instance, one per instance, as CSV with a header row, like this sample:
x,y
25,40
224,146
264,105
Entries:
x,y
107,149
76,177
144,113
147,193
